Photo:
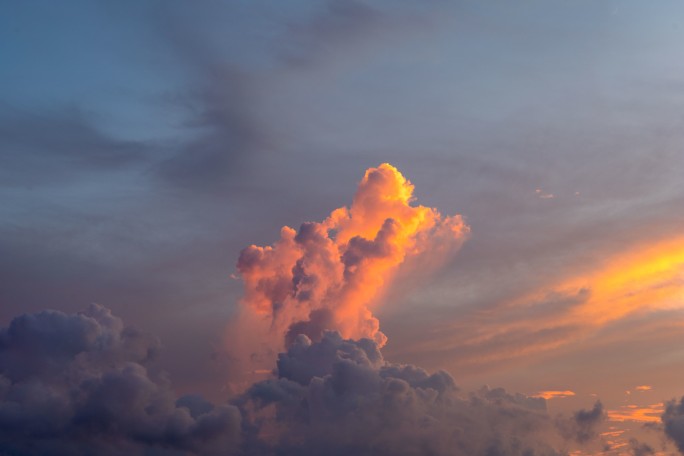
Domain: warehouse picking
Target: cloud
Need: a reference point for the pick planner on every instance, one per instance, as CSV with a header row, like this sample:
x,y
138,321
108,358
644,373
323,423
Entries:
x,y
673,419
80,384
86,383
581,427
543,195
555,394
645,414
73,384
339,396
631,283
338,27
333,26
52,145
639,448
224,129
329,274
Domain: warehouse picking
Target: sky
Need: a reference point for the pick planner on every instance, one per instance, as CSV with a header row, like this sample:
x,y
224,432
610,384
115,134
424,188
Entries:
x,y
483,251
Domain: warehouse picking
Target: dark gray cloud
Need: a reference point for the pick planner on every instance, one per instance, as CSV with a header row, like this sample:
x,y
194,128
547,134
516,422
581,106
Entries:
x,y
50,145
341,397
640,448
220,100
232,121
83,384
673,419
582,426
225,132
339,22
337,28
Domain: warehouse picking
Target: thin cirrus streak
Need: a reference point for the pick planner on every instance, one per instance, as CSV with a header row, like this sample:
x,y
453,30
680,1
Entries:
x,y
646,278
328,275
555,394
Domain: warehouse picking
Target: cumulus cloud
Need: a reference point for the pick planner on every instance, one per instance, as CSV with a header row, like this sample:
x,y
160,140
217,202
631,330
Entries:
x,y
582,426
673,419
328,275
83,384
339,396
639,448
80,384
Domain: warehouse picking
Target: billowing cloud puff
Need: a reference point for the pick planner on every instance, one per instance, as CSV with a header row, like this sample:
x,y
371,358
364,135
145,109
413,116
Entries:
x,y
79,384
582,426
673,419
327,275
640,449
340,397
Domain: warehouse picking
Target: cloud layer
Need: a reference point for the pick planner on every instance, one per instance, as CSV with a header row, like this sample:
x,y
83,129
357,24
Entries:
x,y
83,384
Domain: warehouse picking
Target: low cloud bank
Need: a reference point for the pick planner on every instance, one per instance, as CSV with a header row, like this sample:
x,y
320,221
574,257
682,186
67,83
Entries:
x,y
341,397
84,384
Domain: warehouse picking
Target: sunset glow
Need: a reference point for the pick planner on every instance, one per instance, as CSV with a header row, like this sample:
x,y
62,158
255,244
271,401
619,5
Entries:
x,y
555,394
647,414
342,227
643,278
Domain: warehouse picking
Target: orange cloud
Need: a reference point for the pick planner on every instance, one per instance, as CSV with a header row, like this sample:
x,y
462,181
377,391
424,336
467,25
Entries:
x,y
544,195
648,277
643,278
329,274
645,414
643,388
555,394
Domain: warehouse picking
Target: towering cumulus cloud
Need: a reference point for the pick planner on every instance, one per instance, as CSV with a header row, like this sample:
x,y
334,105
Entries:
x,y
331,391
328,275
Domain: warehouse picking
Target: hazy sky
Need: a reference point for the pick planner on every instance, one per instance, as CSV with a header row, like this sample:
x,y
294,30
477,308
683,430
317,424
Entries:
x,y
144,144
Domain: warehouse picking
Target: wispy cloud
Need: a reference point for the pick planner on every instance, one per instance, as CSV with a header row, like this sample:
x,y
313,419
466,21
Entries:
x,y
555,394
639,280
